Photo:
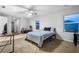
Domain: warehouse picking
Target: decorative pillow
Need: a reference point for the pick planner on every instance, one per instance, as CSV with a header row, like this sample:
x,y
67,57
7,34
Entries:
x,y
47,28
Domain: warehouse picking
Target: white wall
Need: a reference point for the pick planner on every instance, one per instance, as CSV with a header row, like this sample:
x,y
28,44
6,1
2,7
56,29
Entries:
x,y
24,23
3,21
59,23
45,21
56,21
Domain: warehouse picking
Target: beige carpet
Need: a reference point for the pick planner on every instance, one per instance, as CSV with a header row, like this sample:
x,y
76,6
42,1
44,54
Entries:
x,y
49,46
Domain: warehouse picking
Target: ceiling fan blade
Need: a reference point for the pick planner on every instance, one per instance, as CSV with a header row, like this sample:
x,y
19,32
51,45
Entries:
x,y
22,6
22,12
33,8
28,7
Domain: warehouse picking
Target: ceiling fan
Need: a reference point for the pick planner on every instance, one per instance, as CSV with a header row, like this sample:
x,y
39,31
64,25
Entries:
x,y
30,10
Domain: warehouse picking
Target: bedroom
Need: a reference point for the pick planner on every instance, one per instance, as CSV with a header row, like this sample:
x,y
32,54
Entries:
x,y
24,16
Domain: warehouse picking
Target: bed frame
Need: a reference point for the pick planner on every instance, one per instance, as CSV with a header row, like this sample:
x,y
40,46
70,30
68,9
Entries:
x,y
53,36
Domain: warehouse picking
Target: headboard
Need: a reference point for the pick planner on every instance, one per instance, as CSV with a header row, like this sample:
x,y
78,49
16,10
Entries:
x,y
47,28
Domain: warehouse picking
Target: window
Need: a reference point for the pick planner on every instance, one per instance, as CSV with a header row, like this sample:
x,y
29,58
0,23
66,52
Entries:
x,y
71,23
37,23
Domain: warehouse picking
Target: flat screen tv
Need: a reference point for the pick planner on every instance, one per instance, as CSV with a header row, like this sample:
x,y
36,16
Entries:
x,y
71,23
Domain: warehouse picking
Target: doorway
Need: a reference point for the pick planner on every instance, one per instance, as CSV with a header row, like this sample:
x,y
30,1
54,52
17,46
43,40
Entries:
x,y
15,26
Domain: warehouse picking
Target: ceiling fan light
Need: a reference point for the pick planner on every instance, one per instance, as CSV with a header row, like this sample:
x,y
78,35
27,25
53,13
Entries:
x,y
29,14
31,11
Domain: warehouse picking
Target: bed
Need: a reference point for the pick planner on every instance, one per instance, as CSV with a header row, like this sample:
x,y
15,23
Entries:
x,y
39,36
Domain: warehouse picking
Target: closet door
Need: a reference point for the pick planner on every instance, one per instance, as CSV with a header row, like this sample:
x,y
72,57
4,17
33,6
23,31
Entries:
x,y
16,26
3,24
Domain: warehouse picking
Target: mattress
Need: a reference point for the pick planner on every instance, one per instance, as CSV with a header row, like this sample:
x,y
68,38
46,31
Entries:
x,y
39,36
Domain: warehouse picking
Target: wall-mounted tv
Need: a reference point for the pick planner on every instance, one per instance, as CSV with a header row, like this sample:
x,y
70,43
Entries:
x,y
71,23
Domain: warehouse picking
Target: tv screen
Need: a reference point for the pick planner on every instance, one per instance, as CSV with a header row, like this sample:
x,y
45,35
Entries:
x,y
71,23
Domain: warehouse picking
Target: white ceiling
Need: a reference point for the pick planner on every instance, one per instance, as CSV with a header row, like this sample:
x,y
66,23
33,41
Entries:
x,y
20,10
